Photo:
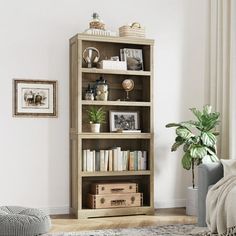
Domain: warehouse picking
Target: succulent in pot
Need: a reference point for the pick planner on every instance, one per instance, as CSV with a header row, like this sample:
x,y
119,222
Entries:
x,y
96,118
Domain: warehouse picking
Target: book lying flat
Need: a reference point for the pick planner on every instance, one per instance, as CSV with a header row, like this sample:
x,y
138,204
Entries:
x,y
131,131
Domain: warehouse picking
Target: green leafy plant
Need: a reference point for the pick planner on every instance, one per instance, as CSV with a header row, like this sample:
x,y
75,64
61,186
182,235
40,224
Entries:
x,y
96,115
198,138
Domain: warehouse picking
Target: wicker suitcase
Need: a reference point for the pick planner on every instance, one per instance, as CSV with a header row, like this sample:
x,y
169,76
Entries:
x,y
115,200
111,188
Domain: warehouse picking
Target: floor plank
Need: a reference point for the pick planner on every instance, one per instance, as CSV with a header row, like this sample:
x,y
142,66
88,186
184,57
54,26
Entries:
x,y
68,223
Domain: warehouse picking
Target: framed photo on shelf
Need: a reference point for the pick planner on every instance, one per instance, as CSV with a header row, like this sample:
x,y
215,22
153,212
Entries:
x,y
34,98
133,58
124,121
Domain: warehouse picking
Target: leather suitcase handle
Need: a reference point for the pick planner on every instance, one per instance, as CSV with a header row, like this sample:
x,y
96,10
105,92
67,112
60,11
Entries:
x,y
117,189
120,202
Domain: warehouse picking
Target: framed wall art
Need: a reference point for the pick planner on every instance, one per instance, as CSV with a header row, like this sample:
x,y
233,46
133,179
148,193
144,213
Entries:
x,y
124,121
35,98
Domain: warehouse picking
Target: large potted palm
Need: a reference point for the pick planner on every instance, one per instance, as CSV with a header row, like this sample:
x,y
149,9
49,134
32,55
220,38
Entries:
x,y
198,139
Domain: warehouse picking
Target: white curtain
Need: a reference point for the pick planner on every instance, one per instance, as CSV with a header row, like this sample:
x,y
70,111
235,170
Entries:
x,y
221,77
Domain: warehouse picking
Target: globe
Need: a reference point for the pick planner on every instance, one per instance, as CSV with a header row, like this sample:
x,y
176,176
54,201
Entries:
x,y
128,84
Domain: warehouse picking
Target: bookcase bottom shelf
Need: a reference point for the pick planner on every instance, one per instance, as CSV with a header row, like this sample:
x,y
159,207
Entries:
x,y
93,213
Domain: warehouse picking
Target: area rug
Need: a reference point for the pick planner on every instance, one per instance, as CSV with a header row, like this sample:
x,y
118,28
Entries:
x,y
168,230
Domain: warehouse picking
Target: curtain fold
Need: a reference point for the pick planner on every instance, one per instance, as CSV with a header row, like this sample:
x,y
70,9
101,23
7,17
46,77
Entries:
x,y
220,72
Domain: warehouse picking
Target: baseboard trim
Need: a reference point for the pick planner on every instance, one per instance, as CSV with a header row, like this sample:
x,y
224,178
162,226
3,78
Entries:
x,y
56,210
171,203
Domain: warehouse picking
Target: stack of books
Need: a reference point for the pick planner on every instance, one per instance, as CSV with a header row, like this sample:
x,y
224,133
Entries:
x,y
114,160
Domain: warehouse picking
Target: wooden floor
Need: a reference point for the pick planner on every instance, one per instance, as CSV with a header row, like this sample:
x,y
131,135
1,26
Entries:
x,y
67,223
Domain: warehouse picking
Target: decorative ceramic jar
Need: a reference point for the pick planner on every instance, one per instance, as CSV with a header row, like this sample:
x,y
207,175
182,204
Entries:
x,y
101,89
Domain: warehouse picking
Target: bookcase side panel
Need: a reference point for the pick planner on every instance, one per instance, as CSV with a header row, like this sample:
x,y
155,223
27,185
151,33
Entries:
x,y
152,153
73,58
73,86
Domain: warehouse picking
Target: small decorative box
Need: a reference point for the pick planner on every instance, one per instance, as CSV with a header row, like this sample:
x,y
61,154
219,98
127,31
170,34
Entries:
x,y
113,65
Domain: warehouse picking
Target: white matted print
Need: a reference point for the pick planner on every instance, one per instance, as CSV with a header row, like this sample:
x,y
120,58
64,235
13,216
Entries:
x,y
124,120
35,98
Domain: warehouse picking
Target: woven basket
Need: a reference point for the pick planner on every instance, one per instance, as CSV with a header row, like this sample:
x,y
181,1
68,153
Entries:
x,y
128,31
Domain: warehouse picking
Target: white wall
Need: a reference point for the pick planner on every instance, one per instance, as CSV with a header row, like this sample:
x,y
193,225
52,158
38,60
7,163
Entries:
x,y
34,161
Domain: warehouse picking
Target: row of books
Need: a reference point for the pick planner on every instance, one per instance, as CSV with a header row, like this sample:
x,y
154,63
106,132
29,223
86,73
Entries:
x,y
113,160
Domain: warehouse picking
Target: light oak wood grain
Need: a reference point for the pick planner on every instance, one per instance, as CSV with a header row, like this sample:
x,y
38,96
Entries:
x,y
81,138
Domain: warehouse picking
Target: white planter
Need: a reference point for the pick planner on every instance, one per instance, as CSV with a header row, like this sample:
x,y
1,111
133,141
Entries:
x,y
95,128
192,201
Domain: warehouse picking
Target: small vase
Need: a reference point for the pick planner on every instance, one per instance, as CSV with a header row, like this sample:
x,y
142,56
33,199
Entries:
x,y
95,128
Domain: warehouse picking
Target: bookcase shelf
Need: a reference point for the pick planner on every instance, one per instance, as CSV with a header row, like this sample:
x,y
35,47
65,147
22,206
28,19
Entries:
x,y
144,210
141,101
115,173
115,135
116,103
115,72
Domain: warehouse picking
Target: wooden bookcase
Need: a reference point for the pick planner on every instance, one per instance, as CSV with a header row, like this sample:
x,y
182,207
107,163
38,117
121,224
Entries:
x,y
81,138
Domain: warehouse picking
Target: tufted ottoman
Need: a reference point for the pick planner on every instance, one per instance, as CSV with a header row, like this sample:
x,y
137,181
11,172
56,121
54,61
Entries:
x,y
20,221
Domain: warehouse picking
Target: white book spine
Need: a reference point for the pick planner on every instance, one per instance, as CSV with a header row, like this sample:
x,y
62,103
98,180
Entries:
x,y
120,159
123,159
110,161
88,158
106,160
91,161
102,160
94,160
115,159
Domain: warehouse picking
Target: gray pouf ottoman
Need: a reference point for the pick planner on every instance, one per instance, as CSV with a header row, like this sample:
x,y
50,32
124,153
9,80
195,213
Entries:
x,y
21,221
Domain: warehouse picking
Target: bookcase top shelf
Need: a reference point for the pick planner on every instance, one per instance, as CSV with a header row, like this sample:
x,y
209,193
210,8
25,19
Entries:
x,y
115,173
116,103
116,72
130,40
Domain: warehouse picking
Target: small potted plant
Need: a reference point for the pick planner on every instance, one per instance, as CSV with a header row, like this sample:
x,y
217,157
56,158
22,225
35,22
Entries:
x,y
96,118
198,139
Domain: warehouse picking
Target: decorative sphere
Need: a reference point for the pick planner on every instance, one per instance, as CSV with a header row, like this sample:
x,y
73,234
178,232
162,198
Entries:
x,y
128,84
